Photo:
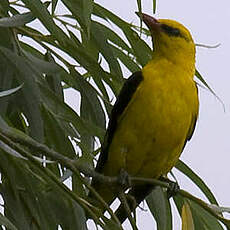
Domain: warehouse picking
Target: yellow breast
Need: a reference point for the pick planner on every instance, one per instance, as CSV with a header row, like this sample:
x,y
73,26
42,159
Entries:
x,y
152,130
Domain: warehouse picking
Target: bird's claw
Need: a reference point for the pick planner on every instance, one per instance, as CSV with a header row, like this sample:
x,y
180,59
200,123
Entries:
x,y
173,187
123,179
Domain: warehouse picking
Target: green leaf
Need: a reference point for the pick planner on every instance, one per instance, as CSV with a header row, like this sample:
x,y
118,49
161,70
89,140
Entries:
x,y
81,10
199,215
139,5
186,216
10,91
7,75
54,79
126,60
4,7
140,49
209,221
87,11
56,136
154,6
7,149
91,110
3,124
16,20
198,75
181,166
6,222
30,99
60,109
160,208
39,10
101,41
114,37
54,4
43,66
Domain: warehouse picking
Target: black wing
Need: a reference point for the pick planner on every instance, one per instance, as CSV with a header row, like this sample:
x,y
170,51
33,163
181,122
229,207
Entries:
x,y
122,101
193,123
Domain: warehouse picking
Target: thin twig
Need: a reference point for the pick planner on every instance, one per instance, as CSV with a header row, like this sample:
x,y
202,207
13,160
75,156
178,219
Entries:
x,y
77,167
73,165
124,202
53,179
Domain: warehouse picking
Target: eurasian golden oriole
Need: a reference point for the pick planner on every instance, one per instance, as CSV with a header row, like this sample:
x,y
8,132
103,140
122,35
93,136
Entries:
x,y
155,113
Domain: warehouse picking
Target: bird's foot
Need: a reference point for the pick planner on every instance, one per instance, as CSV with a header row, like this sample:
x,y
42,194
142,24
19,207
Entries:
x,y
123,180
173,187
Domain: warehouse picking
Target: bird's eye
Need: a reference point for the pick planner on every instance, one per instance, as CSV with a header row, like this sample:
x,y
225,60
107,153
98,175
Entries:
x,y
170,30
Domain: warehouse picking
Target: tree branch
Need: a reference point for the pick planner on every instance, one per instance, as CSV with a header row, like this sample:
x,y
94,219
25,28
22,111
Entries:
x,y
76,167
7,137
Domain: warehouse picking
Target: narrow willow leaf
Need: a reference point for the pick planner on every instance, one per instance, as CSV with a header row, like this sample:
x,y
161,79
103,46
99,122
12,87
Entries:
x,y
54,4
30,99
39,10
126,60
7,72
60,109
4,147
54,79
154,6
198,75
209,221
16,133
198,214
140,49
101,40
63,112
7,223
87,11
10,91
79,217
56,137
114,37
139,5
3,124
181,166
91,108
4,7
187,219
16,20
160,208
83,57
43,66
81,10
92,66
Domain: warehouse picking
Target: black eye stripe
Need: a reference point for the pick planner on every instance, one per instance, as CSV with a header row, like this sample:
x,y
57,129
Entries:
x,y
171,31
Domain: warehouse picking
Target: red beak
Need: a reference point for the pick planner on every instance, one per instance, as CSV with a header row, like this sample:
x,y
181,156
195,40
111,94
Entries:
x,y
150,21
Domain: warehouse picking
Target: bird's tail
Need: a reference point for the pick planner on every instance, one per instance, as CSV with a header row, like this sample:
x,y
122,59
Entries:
x,y
138,193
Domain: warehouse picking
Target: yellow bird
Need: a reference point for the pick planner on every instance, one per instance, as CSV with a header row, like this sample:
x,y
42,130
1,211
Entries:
x,y
155,113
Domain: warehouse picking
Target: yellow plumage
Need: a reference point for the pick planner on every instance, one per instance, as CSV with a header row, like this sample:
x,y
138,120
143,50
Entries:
x,y
152,129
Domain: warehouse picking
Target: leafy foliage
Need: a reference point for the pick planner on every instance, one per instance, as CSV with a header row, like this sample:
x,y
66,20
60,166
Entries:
x,y
42,54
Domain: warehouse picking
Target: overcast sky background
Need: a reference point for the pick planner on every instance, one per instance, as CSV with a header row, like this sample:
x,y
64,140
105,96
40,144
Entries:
x,y
208,153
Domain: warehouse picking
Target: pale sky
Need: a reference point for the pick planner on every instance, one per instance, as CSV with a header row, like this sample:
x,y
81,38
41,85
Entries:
x,y
208,153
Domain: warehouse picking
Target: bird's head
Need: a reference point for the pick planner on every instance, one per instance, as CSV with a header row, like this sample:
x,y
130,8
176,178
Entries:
x,y
170,38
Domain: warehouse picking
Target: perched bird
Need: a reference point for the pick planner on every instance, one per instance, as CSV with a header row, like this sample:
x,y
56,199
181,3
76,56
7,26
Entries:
x,y
155,113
